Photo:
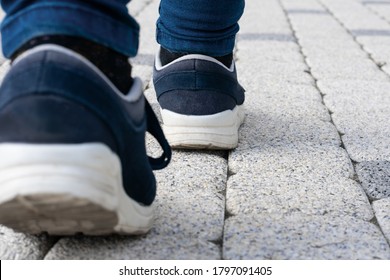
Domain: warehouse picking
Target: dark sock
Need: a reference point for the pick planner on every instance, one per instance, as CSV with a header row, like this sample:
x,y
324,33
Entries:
x,y
167,57
113,64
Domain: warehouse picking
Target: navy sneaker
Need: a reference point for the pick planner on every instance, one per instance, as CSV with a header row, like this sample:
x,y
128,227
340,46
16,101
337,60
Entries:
x,y
73,156
201,102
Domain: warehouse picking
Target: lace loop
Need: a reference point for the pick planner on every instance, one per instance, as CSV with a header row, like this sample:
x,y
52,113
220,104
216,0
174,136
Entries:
x,y
154,128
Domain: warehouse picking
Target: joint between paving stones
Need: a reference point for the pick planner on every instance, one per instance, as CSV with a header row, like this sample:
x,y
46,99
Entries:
x,y
379,65
311,75
354,175
375,222
375,12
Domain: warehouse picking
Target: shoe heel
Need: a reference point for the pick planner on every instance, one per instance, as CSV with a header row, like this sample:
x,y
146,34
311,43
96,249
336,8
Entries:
x,y
59,189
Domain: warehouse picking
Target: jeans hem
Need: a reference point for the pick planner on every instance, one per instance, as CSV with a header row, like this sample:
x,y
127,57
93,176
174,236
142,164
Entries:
x,y
58,19
208,46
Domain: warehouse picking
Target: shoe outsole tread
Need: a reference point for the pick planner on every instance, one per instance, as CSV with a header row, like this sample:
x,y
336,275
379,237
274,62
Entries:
x,y
57,214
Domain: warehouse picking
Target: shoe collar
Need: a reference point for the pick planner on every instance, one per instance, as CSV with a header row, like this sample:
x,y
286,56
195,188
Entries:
x,y
189,57
134,94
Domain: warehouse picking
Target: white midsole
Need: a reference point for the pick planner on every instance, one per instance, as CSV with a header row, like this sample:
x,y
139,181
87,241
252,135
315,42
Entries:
x,y
228,118
91,171
218,130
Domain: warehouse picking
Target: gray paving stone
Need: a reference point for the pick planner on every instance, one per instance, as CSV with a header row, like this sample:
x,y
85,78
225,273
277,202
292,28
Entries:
x,y
362,69
386,68
19,246
379,50
365,136
261,36
352,95
134,248
287,179
280,51
135,7
271,64
191,195
286,105
286,90
367,25
289,77
294,177
295,72
269,81
321,27
266,15
365,127
302,6
382,8
285,93
297,159
278,63
354,15
301,236
295,191
144,72
375,178
283,127
318,50
278,114
382,213
361,111
369,145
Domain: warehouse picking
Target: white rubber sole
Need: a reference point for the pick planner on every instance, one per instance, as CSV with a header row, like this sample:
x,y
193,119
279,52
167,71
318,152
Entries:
x,y
218,131
67,189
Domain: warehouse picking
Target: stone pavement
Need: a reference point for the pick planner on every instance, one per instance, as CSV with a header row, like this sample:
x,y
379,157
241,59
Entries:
x,y
311,176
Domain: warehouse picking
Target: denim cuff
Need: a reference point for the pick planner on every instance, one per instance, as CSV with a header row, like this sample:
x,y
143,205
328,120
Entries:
x,y
207,46
67,19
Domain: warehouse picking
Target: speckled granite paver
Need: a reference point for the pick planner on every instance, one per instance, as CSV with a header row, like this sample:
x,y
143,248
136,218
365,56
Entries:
x,y
382,212
310,178
289,159
359,103
299,236
19,246
375,178
362,106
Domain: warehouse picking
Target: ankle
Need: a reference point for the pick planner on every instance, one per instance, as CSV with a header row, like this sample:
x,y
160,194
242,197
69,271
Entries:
x,y
113,64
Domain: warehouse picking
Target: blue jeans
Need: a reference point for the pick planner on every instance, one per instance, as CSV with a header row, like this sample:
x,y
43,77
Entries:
x,y
191,26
